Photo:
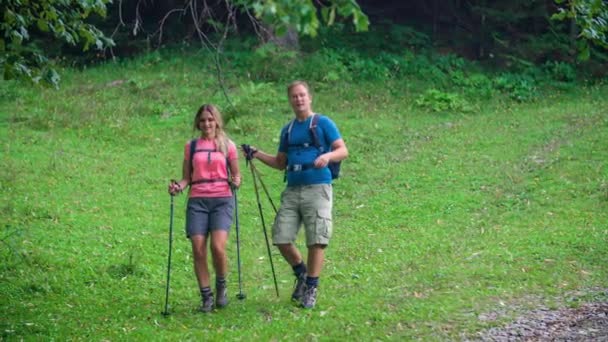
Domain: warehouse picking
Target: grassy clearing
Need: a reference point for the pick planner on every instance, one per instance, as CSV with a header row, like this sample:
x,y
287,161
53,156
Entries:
x,y
440,217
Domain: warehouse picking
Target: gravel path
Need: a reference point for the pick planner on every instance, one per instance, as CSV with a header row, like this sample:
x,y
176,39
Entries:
x,y
589,322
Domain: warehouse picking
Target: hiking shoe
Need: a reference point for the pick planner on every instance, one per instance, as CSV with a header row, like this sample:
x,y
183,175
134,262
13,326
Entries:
x,y
222,296
310,297
298,287
207,305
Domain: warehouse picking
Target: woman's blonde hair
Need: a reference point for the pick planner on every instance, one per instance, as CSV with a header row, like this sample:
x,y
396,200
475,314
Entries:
x,y
221,139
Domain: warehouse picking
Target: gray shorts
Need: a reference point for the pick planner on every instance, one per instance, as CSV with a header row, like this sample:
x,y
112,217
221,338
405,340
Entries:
x,y
309,205
206,214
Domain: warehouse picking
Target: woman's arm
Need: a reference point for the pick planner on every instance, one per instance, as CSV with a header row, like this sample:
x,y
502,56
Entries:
x,y
176,187
235,172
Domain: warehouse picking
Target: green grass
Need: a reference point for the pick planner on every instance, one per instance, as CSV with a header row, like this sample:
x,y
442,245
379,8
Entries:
x,y
440,218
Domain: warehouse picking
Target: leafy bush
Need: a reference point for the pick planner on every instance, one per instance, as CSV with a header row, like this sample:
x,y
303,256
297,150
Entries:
x,y
419,65
407,36
253,98
367,69
560,71
24,55
439,101
519,87
391,62
449,62
475,85
9,90
325,65
372,41
352,65
270,62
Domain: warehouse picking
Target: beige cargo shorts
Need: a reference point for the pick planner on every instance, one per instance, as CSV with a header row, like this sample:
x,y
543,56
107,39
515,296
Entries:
x,y
309,205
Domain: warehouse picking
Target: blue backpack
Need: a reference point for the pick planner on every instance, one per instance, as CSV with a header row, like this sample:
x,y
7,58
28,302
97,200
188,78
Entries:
x,y
334,167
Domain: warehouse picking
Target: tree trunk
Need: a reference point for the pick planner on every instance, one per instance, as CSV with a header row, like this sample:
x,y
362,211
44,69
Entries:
x,y
573,36
435,19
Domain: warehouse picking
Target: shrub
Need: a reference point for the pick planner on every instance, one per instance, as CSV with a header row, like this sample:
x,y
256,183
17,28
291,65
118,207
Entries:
x,y
407,36
449,62
519,87
419,65
474,85
367,69
324,65
253,98
439,101
560,71
270,62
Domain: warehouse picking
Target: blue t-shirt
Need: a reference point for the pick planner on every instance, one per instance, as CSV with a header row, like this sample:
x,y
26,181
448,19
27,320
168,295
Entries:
x,y
297,154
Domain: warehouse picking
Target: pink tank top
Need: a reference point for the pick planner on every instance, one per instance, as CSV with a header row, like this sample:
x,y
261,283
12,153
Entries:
x,y
210,164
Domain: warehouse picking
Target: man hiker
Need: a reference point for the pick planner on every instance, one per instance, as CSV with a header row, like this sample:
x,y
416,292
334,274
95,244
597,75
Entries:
x,y
310,147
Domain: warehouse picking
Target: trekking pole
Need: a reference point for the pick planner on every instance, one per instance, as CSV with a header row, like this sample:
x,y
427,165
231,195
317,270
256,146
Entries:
x,y
241,295
257,196
249,161
265,190
166,312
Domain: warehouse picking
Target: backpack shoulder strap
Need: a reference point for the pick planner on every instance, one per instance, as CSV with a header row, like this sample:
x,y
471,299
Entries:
x,y
192,152
314,120
228,143
313,132
289,132
286,143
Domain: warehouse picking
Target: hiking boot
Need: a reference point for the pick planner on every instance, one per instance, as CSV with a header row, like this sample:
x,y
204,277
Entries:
x,y
298,287
310,297
207,305
222,295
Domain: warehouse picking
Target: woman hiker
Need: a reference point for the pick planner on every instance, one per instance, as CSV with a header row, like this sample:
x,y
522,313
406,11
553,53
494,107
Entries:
x,y
211,169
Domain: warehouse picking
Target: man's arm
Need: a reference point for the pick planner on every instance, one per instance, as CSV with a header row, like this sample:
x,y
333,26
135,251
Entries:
x,y
277,162
338,152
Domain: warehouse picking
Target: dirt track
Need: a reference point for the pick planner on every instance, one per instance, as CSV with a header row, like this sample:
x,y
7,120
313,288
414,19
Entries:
x,y
589,322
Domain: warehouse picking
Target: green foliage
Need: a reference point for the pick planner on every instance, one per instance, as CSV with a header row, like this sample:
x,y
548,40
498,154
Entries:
x,y
9,91
476,85
365,68
449,73
591,16
252,98
325,65
401,36
303,15
392,65
23,21
519,87
415,64
560,71
449,62
263,64
439,101
380,38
